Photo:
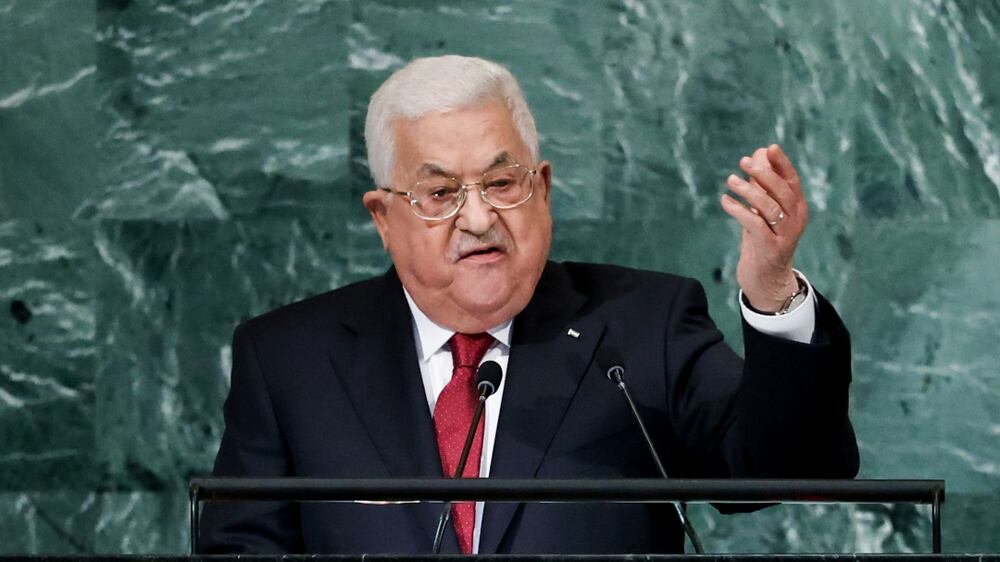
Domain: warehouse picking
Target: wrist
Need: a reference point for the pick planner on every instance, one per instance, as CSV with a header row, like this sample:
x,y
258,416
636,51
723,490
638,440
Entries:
x,y
785,299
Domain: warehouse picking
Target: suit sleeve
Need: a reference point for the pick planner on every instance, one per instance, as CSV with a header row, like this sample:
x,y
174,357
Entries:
x,y
780,413
252,446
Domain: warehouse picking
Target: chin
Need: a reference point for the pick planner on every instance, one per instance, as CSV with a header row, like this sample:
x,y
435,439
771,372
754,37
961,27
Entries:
x,y
493,294
485,303
487,297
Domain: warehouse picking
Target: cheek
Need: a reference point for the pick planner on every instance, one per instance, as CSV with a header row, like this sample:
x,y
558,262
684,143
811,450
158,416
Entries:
x,y
421,252
534,239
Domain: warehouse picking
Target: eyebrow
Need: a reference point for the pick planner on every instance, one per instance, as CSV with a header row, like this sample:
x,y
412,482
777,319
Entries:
x,y
428,168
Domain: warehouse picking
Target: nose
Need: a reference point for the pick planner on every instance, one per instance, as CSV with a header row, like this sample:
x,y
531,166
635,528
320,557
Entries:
x,y
476,216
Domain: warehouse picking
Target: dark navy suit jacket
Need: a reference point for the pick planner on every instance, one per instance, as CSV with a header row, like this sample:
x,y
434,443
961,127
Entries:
x,y
330,387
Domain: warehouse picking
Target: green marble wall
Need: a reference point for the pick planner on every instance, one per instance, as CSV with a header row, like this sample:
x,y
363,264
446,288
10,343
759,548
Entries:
x,y
168,168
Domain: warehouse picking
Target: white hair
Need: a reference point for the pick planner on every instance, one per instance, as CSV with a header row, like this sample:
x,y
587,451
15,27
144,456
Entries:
x,y
440,84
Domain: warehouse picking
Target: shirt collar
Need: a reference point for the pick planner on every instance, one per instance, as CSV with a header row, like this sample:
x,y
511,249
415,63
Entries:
x,y
431,337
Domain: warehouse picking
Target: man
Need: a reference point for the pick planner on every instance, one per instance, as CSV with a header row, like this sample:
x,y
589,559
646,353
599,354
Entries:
x,y
375,379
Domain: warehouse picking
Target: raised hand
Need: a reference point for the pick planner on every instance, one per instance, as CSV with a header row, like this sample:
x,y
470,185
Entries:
x,y
773,213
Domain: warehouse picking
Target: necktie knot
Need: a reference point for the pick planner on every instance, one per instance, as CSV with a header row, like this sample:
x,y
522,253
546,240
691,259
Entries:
x,y
467,350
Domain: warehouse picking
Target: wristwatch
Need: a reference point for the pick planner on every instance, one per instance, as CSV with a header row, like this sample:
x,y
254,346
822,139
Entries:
x,y
791,303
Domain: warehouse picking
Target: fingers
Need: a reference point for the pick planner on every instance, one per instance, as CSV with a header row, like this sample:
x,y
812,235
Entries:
x,y
750,221
759,156
759,199
759,169
783,166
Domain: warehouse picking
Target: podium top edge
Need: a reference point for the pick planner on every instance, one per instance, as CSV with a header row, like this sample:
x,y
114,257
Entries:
x,y
628,490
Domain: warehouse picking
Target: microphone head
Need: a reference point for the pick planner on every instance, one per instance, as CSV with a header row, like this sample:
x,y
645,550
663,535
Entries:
x,y
611,364
488,378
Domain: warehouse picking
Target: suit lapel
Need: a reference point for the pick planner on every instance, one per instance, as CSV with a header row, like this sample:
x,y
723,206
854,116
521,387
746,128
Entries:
x,y
546,365
386,388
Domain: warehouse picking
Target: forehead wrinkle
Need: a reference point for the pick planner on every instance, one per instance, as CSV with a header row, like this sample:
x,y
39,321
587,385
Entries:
x,y
431,169
428,168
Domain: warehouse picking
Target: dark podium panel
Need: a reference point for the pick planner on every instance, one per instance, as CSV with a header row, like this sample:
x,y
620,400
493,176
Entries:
x,y
725,491
535,558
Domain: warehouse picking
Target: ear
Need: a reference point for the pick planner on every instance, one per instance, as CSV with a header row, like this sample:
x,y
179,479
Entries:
x,y
545,175
378,208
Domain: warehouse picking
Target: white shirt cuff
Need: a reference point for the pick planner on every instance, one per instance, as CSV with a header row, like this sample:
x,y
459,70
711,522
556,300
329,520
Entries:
x,y
797,325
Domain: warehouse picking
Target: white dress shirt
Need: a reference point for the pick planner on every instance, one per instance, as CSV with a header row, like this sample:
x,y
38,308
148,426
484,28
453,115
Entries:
x,y
434,356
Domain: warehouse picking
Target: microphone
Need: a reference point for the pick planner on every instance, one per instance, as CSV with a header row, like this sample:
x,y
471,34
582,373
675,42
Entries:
x,y
488,379
614,368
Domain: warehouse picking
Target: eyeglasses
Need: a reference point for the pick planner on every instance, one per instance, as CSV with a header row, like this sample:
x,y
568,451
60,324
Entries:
x,y
441,198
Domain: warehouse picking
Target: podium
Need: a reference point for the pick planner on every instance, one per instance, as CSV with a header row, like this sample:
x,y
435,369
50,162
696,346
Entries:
x,y
727,491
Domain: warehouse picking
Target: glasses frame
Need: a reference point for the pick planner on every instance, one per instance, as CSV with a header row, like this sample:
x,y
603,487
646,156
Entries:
x,y
464,193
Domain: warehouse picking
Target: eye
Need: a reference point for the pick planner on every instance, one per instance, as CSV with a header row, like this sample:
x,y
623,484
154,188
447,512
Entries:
x,y
441,192
499,183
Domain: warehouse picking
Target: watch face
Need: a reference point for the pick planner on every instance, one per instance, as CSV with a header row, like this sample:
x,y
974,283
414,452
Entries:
x,y
795,300
799,299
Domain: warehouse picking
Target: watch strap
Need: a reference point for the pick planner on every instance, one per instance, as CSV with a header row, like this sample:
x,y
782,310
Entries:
x,y
790,304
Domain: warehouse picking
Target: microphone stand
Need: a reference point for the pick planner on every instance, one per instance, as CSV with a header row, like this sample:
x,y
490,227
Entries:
x,y
616,373
446,513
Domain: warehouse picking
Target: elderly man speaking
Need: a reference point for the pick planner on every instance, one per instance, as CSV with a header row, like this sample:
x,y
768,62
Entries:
x,y
376,379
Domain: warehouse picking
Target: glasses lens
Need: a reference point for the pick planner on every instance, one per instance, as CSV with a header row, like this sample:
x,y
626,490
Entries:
x,y
436,198
507,187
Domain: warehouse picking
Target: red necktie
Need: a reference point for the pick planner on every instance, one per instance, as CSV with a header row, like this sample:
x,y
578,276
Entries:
x,y
452,417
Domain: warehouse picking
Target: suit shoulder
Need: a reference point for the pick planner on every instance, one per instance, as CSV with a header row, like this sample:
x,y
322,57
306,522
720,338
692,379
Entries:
x,y
319,310
603,278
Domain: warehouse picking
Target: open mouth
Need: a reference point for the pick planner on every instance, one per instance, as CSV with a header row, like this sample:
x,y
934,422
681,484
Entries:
x,y
482,253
